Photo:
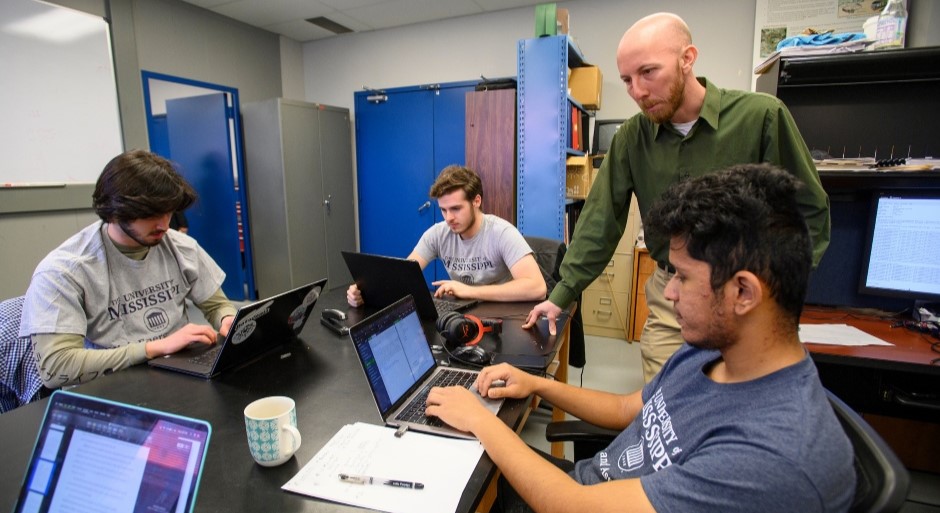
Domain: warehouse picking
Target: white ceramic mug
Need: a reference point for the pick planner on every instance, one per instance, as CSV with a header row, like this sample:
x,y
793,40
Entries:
x,y
271,423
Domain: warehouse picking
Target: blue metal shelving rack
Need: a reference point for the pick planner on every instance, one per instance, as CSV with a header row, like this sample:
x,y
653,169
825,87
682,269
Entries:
x,y
543,138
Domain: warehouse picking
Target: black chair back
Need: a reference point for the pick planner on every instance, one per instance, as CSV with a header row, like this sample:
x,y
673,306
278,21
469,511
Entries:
x,y
882,482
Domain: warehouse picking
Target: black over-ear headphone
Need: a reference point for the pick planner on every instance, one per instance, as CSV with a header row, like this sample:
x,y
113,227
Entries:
x,y
466,329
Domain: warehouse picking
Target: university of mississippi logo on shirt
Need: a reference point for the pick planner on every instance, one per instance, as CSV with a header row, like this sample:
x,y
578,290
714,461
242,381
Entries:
x,y
156,319
631,458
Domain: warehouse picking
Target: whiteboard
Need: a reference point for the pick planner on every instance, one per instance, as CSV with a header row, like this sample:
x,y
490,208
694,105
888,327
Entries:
x,y
58,98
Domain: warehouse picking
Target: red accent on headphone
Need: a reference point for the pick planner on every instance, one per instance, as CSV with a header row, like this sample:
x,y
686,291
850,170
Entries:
x,y
487,326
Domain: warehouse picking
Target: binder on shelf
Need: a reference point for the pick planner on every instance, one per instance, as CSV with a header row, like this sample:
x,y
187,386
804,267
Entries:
x,y
576,129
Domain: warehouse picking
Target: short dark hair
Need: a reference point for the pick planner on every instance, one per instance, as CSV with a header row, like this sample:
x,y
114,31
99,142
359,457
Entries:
x,y
138,184
455,177
743,218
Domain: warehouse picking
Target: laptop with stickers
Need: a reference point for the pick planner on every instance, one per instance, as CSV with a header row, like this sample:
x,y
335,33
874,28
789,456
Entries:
x,y
113,456
400,369
258,328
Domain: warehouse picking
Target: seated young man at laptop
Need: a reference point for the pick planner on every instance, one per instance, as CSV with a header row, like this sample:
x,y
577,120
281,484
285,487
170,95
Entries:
x,y
485,256
737,419
120,283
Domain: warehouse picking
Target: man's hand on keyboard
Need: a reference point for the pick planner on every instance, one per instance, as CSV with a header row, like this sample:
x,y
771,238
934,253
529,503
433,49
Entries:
x,y
504,380
181,338
457,406
452,288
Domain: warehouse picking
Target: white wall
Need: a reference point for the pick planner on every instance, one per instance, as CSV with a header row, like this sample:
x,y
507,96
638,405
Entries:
x,y
465,48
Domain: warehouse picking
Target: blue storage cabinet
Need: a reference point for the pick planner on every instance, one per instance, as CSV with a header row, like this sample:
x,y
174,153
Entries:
x,y
404,137
544,138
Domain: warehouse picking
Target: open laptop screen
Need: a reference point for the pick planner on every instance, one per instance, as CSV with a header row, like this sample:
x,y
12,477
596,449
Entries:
x,y
394,352
114,456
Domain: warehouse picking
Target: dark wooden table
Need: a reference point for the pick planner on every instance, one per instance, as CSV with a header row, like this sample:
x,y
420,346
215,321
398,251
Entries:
x,y
320,371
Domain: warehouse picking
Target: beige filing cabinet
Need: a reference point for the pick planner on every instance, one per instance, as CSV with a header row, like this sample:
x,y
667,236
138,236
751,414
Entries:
x,y
605,306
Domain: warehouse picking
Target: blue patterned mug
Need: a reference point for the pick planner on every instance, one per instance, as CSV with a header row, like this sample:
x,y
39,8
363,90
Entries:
x,y
271,423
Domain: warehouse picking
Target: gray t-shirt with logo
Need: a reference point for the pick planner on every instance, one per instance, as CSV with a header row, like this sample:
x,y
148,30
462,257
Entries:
x,y
87,287
483,260
771,444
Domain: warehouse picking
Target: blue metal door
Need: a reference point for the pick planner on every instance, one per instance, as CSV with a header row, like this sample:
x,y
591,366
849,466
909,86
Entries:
x,y
199,136
394,158
450,128
402,143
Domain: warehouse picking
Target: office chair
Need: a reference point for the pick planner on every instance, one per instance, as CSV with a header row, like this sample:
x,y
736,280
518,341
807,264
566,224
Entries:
x,y
548,255
19,377
881,484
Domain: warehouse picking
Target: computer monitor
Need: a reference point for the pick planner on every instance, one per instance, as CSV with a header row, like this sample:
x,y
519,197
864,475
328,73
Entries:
x,y
902,246
604,130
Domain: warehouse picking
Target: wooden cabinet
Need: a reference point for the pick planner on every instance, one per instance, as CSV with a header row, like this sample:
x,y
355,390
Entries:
x,y
491,148
643,267
606,304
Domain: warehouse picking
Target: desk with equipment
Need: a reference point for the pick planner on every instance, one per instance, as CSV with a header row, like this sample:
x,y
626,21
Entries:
x,y
896,388
320,371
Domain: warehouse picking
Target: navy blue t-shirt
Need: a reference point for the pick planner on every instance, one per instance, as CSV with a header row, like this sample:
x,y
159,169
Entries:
x,y
771,444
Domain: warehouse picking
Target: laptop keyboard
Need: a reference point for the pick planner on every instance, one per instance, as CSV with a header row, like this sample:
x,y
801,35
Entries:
x,y
207,358
444,305
414,412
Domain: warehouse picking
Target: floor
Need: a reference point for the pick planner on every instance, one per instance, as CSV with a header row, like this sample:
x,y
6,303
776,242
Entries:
x,y
614,365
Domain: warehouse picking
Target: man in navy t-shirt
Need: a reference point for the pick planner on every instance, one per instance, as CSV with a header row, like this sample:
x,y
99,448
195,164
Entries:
x,y
737,419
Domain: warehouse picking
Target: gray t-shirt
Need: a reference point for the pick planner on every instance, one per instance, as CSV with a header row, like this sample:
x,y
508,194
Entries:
x,y
483,260
87,287
771,444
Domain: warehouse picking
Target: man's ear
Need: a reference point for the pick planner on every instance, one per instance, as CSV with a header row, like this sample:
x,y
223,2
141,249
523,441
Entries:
x,y
477,201
747,291
689,56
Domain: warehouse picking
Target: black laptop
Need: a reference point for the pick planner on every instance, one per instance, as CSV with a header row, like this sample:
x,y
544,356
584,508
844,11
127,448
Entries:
x,y
384,280
400,368
97,455
258,328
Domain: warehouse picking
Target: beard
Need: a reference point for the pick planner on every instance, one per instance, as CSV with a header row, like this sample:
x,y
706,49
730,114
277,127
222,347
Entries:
x,y
138,238
718,334
470,223
672,101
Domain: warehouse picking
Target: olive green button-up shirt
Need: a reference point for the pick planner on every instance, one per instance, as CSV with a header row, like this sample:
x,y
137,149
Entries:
x,y
645,158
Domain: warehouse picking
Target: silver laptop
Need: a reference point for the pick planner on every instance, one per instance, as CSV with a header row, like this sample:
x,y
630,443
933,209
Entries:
x,y
257,329
383,280
113,456
400,369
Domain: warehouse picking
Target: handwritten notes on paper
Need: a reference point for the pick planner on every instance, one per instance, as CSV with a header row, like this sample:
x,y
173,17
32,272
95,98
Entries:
x,y
443,465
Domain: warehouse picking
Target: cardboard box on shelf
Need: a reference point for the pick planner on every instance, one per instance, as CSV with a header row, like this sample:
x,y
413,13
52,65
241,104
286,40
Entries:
x,y
561,20
585,84
578,176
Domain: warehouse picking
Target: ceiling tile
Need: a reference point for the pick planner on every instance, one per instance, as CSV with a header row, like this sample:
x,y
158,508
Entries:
x,y
288,17
300,30
405,12
263,14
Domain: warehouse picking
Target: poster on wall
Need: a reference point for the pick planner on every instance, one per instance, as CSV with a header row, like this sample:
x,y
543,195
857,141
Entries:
x,y
776,20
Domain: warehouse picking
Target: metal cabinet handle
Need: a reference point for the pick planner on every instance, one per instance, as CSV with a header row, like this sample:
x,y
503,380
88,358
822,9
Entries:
x,y
326,203
425,206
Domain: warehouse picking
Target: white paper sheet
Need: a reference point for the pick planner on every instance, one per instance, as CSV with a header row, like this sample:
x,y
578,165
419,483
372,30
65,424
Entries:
x,y
838,335
442,464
